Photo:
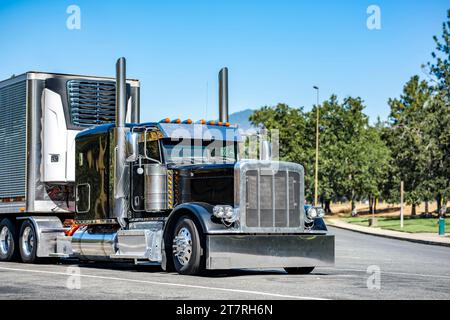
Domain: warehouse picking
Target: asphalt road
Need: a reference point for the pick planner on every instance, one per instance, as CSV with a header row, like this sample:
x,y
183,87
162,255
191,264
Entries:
x,y
407,271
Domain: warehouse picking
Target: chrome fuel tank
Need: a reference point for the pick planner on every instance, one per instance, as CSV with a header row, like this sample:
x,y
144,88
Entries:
x,y
155,187
96,243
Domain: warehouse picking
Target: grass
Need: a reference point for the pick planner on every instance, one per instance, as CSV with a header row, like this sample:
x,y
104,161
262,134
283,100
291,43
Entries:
x,y
411,225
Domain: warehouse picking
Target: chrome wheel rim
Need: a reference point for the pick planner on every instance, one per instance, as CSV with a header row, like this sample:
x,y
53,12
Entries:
x,y
182,246
27,241
5,240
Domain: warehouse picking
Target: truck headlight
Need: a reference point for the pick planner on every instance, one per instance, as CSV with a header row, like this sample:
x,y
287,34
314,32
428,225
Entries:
x,y
219,211
314,213
320,212
225,213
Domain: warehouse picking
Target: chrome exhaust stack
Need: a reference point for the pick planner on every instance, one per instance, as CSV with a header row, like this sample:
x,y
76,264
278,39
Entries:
x,y
121,92
223,95
120,178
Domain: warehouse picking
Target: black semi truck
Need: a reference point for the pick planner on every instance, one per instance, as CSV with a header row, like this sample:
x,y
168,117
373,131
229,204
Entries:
x,y
81,177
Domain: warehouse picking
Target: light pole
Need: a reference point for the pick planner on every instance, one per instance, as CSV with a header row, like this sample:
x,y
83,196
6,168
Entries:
x,y
316,175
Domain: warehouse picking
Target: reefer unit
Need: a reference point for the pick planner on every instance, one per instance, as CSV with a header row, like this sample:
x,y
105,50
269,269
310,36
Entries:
x,y
40,115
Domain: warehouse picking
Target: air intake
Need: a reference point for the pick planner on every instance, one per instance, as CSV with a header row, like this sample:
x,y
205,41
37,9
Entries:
x,y
92,102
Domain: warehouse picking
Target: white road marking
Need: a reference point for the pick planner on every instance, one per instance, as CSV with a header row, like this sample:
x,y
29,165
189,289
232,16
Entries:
x,y
392,273
170,284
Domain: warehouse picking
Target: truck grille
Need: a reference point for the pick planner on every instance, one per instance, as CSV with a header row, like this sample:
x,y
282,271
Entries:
x,y
92,102
272,198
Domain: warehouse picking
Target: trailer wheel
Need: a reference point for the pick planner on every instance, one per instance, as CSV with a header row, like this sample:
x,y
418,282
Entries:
x,y
302,270
8,241
28,243
187,247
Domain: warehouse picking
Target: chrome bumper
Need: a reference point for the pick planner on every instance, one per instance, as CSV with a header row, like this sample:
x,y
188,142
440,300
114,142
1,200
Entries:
x,y
268,251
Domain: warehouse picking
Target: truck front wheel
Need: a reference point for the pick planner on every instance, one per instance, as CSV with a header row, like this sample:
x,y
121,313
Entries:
x,y
28,243
187,247
8,241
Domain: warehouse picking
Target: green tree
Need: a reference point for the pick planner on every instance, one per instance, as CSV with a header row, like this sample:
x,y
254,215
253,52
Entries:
x,y
437,122
379,158
353,155
440,68
408,140
296,139
290,122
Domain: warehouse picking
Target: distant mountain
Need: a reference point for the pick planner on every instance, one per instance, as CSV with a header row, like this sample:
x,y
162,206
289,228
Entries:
x,y
241,119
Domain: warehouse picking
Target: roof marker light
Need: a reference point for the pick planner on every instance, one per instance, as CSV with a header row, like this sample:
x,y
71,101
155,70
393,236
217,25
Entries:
x,y
227,124
201,121
176,121
165,120
211,122
187,121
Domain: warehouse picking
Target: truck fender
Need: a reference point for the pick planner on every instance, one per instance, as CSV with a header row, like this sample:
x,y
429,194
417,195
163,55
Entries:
x,y
47,229
201,214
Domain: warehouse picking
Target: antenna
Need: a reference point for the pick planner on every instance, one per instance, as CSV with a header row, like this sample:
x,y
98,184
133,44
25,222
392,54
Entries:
x,y
206,101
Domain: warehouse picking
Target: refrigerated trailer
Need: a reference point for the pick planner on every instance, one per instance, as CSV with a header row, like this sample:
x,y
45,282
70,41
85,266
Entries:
x,y
40,115
81,177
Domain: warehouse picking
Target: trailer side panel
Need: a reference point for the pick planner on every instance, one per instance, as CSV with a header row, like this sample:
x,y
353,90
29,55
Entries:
x,y
13,105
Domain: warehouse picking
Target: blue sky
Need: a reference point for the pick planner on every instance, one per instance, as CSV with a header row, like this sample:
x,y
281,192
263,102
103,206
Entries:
x,y
275,50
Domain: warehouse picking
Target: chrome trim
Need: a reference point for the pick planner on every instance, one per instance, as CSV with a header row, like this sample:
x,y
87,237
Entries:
x,y
47,229
121,183
76,197
223,95
143,242
27,241
89,244
33,123
145,146
97,221
5,240
36,75
269,251
182,246
240,170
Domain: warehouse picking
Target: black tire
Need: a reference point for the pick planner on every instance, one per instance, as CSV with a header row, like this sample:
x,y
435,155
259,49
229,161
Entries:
x,y
191,263
302,270
9,241
28,243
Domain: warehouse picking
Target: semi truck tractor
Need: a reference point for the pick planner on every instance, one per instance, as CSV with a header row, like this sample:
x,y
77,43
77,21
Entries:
x,y
81,177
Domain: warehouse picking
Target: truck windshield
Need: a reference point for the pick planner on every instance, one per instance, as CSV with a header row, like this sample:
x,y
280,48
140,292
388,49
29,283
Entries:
x,y
189,151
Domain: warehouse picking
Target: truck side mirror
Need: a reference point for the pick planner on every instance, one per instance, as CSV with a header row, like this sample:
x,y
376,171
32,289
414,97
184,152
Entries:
x,y
131,146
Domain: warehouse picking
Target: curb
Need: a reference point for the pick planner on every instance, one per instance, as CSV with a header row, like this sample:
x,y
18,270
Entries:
x,y
429,242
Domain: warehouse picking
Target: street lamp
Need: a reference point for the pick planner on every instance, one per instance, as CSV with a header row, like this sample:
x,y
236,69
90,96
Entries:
x,y
316,176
